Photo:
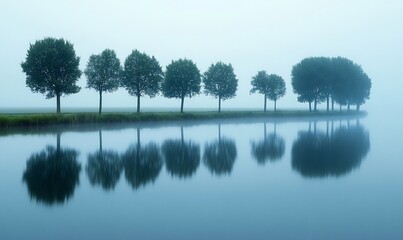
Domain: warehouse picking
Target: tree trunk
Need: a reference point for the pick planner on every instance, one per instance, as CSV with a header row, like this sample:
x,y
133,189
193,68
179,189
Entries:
x,y
275,105
358,107
100,102
58,103
340,107
348,107
315,104
327,104
265,102
138,103
332,104
182,100
219,103
310,106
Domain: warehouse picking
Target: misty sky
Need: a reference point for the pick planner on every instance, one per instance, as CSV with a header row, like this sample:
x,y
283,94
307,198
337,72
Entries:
x,y
251,35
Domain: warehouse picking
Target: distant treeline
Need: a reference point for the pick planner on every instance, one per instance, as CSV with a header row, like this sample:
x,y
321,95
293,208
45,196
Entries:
x,y
52,68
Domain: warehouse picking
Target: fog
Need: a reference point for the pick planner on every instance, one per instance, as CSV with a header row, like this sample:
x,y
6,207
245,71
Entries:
x,y
251,35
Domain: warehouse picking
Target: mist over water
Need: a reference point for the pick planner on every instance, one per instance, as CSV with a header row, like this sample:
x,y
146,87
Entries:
x,y
229,178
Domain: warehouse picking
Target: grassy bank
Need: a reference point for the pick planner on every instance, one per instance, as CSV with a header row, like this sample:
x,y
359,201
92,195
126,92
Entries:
x,y
39,120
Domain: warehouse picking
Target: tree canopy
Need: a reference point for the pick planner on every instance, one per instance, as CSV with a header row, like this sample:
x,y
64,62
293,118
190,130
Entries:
x,y
51,67
220,82
271,86
317,79
311,80
103,73
142,75
352,85
182,78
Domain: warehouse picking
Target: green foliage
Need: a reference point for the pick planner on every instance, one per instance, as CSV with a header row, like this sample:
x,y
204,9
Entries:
x,y
318,78
34,121
271,86
51,67
311,79
220,81
352,85
182,78
103,71
142,75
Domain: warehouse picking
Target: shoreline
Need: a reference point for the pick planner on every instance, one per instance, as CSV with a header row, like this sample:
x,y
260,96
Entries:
x,y
32,120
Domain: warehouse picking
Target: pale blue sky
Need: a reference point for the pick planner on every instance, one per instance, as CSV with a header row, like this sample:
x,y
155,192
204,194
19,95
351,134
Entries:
x,y
252,35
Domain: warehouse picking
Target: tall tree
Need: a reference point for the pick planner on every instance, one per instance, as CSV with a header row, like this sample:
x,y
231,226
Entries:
x,y
220,82
51,67
142,75
182,78
103,73
271,86
310,80
352,84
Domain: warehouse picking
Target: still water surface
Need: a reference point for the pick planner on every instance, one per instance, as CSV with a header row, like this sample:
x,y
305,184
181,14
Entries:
x,y
233,179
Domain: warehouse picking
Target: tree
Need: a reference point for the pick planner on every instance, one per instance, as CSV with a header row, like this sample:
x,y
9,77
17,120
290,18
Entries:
x,y
271,86
51,67
352,84
182,78
103,73
142,75
220,82
311,80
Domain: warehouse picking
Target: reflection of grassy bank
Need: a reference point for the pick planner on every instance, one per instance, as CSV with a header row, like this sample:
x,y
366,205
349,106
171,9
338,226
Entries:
x,y
37,120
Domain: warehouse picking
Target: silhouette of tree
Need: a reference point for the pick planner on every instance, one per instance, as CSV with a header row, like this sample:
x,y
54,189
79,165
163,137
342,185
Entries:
x,y
182,158
311,80
352,84
220,82
271,86
320,155
220,155
272,147
142,163
142,75
52,68
52,174
104,167
103,73
182,78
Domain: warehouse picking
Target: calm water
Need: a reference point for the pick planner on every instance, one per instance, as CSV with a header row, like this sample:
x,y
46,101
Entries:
x,y
250,178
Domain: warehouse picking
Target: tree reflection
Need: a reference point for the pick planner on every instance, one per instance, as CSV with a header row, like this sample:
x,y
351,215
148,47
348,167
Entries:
x,y
336,154
104,167
142,163
52,174
220,155
272,147
182,158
